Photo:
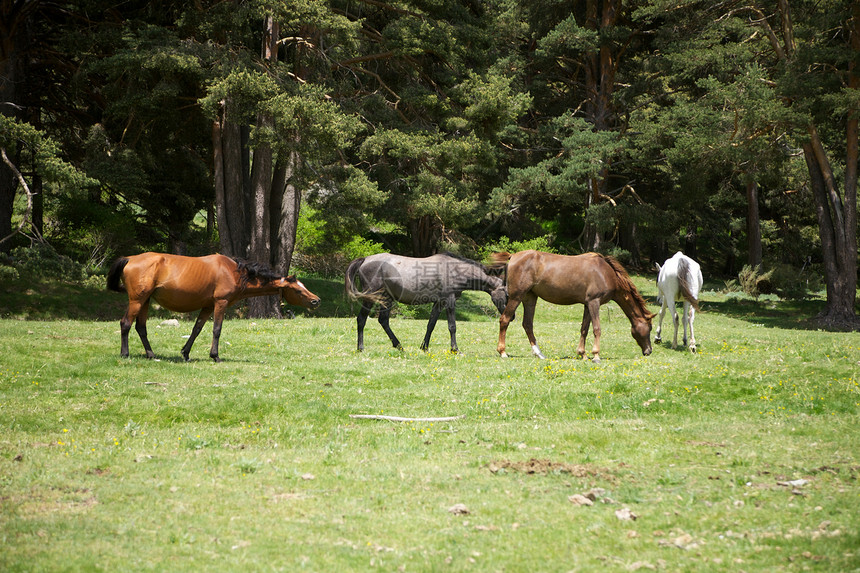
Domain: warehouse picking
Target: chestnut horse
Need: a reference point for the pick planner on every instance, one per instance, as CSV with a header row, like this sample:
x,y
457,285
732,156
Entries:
x,y
590,279
210,284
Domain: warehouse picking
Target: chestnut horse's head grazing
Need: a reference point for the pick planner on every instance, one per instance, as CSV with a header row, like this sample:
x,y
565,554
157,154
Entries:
x,y
638,313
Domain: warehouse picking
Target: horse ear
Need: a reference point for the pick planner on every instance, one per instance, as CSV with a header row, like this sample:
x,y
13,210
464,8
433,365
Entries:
x,y
658,267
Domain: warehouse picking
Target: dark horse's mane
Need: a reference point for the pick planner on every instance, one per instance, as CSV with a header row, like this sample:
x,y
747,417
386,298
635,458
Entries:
x,y
486,269
627,284
252,271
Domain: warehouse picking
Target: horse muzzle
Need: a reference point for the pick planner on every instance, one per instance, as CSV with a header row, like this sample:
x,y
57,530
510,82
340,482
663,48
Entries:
x,y
646,351
314,303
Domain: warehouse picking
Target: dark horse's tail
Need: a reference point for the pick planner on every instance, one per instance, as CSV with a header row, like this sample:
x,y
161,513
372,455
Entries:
x,y
499,265
115,274
349,283
684,275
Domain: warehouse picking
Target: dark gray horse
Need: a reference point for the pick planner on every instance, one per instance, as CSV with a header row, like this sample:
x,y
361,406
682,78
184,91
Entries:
x,y
439,279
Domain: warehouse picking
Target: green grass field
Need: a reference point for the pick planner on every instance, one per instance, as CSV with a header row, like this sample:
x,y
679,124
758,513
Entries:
x,y
744,456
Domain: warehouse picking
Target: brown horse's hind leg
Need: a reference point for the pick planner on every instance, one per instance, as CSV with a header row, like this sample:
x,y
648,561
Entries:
x,y
529,305
140,327
125,327
504,321
592,312
135,314
198,326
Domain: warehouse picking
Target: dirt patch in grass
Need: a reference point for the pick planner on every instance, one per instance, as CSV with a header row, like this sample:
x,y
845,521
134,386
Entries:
x,y
543,467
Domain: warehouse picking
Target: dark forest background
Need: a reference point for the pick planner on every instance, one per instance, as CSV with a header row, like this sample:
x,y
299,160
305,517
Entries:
x,y
305,133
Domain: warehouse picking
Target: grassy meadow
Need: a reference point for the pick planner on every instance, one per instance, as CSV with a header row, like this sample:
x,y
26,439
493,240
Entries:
x,y
742,457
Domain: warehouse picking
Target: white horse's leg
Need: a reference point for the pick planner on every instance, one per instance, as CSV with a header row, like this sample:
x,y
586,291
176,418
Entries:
x,y
658,338
675,322
685,318
692,336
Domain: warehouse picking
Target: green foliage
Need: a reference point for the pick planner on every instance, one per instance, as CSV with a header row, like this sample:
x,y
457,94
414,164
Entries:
x,y
41,260
43,152
754,281
505,245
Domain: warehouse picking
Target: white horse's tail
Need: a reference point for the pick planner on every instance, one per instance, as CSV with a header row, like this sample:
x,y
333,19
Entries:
x,y
684,278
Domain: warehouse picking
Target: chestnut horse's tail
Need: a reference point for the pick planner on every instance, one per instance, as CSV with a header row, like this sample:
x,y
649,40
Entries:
x,y
684,276
627,285
115,274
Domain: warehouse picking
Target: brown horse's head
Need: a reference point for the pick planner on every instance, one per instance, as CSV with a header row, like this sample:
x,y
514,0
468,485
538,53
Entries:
x,y
294,292
641,331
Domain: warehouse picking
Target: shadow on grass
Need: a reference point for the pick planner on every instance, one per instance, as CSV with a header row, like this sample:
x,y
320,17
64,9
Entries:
x,y
788,314
53,300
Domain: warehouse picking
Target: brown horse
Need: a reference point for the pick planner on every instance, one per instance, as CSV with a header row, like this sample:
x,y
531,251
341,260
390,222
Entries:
x,y
590,279
184,284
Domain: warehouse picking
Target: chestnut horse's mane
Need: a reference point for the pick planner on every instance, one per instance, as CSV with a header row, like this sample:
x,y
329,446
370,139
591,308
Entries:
x,y
251,271
627,285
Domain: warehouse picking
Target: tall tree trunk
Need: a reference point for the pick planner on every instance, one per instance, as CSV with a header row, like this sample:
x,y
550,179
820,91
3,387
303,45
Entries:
x,y
261,184
837,214
423,232
600,70
286,205
229,188
753,226
14,44
837,221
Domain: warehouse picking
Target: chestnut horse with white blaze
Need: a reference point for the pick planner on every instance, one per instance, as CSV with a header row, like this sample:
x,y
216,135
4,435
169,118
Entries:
x,y
590,279
210,284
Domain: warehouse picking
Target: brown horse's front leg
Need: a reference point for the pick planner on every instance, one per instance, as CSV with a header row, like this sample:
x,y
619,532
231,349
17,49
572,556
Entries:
x,y
217,321
198,326
504,321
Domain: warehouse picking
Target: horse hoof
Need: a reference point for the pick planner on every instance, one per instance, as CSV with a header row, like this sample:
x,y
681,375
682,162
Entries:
x,y
657,340
503,354
596,359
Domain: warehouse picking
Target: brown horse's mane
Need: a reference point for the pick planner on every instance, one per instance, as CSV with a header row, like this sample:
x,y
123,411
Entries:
x,y
251,271
627,285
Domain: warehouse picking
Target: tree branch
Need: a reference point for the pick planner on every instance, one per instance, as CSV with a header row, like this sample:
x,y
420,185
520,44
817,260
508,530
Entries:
x,y
26,218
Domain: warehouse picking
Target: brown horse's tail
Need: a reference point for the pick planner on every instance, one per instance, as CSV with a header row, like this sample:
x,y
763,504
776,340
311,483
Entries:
x,y
115,274
627,285
684,275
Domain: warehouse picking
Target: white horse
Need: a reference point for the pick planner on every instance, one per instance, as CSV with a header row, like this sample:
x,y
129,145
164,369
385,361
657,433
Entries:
x,y
680,278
